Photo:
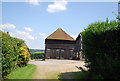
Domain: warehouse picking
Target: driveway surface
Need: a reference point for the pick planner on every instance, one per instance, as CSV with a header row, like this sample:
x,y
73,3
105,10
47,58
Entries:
x,y
52,68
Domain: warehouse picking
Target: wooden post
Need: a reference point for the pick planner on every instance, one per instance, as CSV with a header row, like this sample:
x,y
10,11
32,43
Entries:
x,y
59,53
45,53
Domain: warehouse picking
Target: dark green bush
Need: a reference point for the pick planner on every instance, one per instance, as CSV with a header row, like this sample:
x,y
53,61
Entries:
x,y
101,46
38,55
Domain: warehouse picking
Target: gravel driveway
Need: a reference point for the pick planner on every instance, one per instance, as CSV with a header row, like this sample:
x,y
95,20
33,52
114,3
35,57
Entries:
x,y
51,68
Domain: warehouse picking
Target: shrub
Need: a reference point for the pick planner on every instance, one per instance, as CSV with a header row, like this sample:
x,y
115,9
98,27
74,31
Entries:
x,y
14,52
38,55
10,53
24,55
0,55
101,46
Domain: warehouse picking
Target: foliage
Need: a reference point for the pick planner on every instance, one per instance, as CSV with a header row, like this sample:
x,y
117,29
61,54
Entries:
x,y
11,53
101,45
24,56
0,55
38,55
36,50
22,72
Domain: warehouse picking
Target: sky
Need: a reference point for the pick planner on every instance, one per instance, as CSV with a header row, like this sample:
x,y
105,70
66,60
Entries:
x,y
34,21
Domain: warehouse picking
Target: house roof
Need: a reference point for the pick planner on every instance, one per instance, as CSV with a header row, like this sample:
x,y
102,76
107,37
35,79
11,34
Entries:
x,y
79,36
60,35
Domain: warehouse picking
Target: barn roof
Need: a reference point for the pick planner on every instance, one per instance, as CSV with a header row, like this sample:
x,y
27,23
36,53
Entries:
x,y
60,35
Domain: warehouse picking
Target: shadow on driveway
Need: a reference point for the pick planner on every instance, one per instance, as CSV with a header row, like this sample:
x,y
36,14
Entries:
x,y
73,75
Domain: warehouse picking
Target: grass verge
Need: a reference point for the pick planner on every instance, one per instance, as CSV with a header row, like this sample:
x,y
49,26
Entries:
x,y
23,72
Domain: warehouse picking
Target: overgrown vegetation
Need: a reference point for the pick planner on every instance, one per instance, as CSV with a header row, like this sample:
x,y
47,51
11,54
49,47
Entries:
x,y
14,53
22,72
39,55
101,46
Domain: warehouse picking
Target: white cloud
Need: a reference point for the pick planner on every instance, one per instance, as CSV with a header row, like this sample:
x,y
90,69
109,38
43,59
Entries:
x,y
11,28
34,2
74,36
42,34
57,6
24,35
31,37
7,27
28,29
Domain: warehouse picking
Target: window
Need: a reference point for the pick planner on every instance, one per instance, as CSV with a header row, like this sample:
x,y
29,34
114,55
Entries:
x,y
57,50
48,49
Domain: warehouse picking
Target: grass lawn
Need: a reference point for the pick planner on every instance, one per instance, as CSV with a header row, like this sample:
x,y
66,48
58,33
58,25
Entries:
x,y
23,72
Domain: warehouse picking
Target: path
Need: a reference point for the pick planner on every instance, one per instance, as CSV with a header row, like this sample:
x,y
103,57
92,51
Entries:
x,y
50,69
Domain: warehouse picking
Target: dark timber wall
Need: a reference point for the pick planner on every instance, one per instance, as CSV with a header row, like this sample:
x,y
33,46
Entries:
x,y
77,47
59,49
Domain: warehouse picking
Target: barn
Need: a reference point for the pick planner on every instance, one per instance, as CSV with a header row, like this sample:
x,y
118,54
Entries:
x,y
59,45
77,48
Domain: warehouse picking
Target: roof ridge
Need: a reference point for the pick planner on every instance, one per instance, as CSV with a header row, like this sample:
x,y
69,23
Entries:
x,y
66,33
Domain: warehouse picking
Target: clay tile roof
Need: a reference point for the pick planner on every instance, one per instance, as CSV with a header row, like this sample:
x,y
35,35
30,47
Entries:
x,y
60,35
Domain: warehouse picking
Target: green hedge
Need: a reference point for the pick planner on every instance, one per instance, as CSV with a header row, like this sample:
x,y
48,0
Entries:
x,y
101,46
10,53
38,55
0,56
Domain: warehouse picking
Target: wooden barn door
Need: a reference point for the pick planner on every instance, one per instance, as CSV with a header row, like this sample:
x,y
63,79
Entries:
x,y
57,53
62,54
53,54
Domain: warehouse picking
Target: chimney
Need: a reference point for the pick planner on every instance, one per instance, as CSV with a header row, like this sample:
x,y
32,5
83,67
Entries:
x,y
8,33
